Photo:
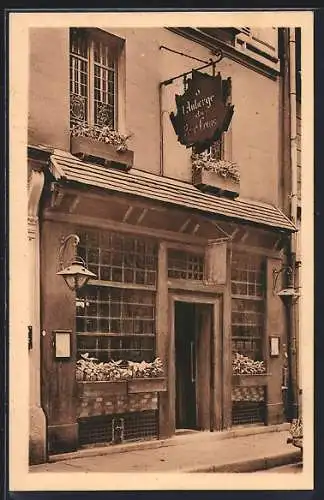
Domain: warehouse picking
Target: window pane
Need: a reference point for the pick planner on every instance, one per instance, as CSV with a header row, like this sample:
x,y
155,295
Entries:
x,y
185,265
78,76
248,311
122,258
127,313
105,76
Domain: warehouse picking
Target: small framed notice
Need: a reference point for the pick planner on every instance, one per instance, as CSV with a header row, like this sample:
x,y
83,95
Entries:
x,y
274,345
62,344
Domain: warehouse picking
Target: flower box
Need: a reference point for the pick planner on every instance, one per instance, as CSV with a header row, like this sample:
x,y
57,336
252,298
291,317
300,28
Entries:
x,y
98,389
87,147
250,380
136,385
211,181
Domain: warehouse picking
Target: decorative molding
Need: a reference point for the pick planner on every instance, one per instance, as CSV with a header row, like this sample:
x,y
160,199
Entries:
x,y
32,226
229,51
35,188
57,195
36,184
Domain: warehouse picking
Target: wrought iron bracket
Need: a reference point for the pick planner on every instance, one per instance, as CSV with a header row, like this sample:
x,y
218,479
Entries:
x,y
277,272
212,62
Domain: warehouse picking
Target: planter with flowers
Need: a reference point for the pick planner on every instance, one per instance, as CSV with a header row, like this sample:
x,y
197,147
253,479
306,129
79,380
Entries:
x,y
220,176
247,372
101,144
118,377
249,379
296,433
146,377
117,386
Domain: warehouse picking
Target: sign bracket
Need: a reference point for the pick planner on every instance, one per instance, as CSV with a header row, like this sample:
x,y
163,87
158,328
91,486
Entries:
x,y
211,62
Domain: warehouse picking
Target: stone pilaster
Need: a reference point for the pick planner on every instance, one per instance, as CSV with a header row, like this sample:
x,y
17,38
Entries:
x,y
37,421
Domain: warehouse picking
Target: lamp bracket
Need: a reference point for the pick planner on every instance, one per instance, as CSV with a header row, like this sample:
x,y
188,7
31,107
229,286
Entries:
x,y
75,240
275,276
75,273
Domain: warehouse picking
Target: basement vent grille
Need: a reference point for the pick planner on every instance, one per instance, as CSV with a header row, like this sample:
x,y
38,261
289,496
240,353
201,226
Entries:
x,y
248,412
135,426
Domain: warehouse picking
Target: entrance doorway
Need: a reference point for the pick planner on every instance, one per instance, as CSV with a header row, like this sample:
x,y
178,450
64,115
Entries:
x,y
193,355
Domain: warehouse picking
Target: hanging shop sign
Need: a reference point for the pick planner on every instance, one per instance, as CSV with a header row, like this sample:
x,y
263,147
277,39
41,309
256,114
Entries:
x,y
203,112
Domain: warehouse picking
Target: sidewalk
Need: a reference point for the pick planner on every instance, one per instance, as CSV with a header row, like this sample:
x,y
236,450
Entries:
x,y
244,449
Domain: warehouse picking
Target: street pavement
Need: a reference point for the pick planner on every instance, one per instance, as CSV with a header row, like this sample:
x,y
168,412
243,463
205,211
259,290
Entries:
x,y
284,469
241,451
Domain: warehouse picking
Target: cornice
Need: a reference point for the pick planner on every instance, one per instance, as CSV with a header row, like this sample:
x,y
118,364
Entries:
x,y
229,51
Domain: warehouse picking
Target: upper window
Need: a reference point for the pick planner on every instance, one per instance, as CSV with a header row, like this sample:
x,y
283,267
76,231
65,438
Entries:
x,y
216,151
93,78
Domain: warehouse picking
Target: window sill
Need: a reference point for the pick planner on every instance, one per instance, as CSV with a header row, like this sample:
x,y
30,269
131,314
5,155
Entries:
x,y
211,181
89,148
246,380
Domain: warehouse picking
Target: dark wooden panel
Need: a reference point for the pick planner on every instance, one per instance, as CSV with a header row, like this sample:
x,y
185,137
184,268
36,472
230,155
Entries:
x,y
217,367
166,425
275,325
203,379
58,313
227,347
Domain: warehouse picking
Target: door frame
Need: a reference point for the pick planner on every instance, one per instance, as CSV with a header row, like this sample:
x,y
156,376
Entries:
x,y
216,337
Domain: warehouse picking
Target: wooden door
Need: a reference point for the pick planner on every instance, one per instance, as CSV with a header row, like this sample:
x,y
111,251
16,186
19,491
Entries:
x,y
185,354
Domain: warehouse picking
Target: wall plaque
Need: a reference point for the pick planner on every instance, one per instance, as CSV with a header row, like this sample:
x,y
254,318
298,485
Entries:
x,y
203,112
62,344
274,345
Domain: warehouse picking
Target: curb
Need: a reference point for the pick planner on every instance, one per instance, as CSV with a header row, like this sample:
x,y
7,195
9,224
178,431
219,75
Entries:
x,y
172,441
253,465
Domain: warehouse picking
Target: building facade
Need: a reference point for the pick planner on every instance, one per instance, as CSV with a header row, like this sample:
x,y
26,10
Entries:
x,y
188,249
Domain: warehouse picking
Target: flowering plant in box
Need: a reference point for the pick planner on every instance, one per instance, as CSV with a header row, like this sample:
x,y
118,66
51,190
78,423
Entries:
x,y
296,433
243,365
224,168
103,133
90,369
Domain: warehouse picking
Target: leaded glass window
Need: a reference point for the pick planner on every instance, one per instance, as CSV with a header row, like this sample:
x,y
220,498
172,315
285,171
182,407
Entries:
x,y
248,304
185,265
115,313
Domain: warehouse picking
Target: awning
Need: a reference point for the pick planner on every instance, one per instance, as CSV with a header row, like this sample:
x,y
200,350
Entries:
x,y
67,167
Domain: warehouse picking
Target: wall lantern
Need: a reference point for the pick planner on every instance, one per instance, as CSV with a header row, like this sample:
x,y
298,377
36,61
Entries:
x,y
287,294
75,274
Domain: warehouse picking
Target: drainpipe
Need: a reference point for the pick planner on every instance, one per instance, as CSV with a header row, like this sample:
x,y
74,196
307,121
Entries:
x,y
294,344
161,112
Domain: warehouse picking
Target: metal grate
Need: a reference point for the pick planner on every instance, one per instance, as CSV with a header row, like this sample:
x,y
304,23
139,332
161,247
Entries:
x,y
135,427
185,265
248,412
95,430
141,425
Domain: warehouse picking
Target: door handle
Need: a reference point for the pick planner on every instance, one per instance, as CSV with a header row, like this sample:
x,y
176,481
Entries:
x,y
192,363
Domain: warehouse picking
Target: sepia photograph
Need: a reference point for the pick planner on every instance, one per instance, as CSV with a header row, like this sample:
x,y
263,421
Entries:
x,y
159,261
